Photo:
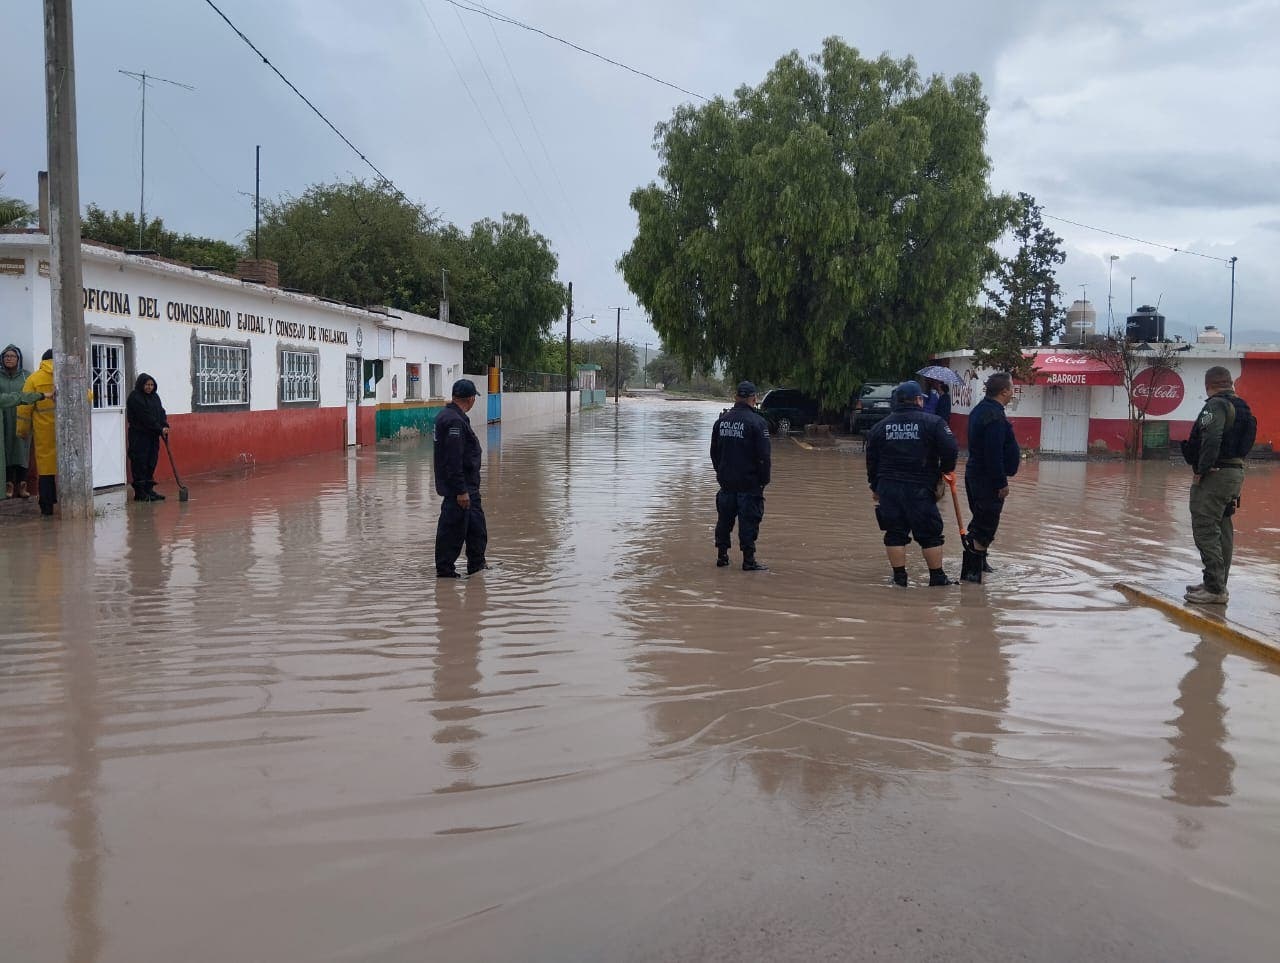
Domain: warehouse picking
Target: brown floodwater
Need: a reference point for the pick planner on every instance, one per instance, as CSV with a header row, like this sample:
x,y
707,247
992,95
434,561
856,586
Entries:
x,y
254,727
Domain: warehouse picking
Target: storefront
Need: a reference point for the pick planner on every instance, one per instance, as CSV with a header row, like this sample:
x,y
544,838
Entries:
x,y
1077,404
248,372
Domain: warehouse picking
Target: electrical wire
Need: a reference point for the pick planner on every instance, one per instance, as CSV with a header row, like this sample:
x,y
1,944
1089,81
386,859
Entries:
x,y
383,178
480,112
1129,237
501,18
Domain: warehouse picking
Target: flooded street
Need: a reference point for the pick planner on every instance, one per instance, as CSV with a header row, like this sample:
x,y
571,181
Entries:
x,y
254,727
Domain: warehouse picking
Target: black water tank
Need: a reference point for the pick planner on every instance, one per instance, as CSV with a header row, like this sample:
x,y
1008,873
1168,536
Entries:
x,y
1145,324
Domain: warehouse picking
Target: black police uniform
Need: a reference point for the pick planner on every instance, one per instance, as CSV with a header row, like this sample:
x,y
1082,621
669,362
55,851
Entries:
x,y
907,453
741,457
457,467
993,456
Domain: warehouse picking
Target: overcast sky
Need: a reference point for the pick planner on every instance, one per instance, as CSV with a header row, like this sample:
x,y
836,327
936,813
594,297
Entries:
x,y
1151,118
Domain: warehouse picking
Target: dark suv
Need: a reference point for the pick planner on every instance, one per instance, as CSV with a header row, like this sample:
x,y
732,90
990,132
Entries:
x,y
788,409
875,400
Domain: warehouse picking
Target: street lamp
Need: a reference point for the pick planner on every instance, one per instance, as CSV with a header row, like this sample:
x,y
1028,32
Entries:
x,y
1132,278
1111,264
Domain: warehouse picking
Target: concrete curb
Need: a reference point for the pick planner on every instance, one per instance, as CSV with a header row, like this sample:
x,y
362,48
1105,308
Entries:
x,y
1201,621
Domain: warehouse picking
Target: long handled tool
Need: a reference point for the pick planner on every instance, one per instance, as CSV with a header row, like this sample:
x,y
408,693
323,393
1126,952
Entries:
x,y
950,478
183,494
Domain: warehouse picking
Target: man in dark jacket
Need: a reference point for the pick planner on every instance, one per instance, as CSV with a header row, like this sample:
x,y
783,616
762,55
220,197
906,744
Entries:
x,y
993,457
148,423
1217,448
740,456
907,455
457,466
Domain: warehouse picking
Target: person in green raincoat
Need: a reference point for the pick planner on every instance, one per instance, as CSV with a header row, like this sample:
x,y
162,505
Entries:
x,y
17,451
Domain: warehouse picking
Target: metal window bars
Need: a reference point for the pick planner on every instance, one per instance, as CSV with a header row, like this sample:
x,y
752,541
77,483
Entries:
x,y
107,380
299,379
222,375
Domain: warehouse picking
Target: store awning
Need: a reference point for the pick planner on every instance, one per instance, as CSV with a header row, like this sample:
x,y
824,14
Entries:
x,y
1073,369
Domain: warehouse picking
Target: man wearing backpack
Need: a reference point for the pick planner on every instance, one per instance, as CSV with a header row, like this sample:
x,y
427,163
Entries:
x,y
1220,439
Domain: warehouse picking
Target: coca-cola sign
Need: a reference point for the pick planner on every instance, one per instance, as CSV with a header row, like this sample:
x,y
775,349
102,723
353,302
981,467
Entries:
x,y
1158,392
1051,361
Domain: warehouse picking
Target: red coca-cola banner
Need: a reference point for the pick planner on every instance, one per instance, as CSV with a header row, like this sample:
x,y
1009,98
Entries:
x,y
1158,393
1078,370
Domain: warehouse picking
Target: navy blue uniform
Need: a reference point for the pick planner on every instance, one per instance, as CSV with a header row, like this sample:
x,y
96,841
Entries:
x,y
741,456
993,457
907,454
457,467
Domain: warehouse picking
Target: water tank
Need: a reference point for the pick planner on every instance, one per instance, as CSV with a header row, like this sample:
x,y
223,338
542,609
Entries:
x,y
1082,323
1145,324
1211,335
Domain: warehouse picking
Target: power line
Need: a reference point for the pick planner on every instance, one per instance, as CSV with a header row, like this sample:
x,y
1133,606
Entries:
x,y
494,15
288,83
1129,237
479,112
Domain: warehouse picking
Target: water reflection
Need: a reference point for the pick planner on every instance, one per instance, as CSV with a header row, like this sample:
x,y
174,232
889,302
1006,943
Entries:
x,y
1200,764
460,611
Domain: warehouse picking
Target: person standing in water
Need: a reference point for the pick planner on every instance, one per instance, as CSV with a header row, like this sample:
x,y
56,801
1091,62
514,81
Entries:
x,y
148,423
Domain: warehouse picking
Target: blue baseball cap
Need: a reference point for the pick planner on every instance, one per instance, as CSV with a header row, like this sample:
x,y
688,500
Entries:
x,y
746,389
908,391
464,388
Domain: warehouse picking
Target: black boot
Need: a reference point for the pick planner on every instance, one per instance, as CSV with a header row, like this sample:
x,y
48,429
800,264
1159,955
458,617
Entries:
x,y
140,493
722,558
971,566
938,577
749,564
900,575
987,569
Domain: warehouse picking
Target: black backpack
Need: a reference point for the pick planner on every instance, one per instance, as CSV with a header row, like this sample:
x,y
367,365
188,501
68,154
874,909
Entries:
x,y
1243,432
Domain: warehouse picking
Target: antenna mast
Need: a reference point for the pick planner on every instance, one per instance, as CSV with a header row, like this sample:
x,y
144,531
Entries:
x,y
143,78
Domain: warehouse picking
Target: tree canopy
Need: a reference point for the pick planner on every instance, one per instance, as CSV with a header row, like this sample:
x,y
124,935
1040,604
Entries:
x,y
829,225
122,231
14,212
1024,292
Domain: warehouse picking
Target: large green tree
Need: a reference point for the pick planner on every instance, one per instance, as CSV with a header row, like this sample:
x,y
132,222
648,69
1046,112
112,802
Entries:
x,y
1023,291
113,227
828,225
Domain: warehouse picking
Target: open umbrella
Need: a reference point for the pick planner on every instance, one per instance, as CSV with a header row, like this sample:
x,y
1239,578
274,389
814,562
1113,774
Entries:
x,y
938,373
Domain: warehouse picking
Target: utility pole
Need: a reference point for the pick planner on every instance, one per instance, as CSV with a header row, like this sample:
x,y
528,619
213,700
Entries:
x,y
1231,321
257,203
1111,267
70,351
142,78
1132,278
617,358
646,364
568,357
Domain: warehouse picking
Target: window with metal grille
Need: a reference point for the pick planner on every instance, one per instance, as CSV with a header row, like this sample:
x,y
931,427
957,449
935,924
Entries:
x,y
222,375
108,374
299,376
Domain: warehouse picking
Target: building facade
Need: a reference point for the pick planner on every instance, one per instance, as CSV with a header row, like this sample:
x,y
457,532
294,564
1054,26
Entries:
x,y
1077,405
248,372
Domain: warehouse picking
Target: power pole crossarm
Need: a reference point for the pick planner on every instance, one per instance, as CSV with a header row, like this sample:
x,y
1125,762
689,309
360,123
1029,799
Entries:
x,y
70,350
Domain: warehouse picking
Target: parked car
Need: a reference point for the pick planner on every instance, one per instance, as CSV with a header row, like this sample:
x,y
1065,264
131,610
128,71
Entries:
x,y
875,400
788,409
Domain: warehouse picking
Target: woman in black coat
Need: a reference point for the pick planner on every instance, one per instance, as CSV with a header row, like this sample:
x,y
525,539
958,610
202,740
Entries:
x,y
148,423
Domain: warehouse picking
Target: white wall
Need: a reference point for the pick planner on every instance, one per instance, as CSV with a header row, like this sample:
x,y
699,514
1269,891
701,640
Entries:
x,y
517,405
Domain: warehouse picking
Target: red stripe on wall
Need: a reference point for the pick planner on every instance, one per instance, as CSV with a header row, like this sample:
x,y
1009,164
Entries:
x,y
216,441
1259,384
1025,430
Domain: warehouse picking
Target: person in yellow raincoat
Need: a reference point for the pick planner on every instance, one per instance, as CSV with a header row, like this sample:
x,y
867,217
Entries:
x,y
36,420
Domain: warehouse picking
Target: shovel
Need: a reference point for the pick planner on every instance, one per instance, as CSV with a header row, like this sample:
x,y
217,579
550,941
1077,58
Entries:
x,y
950,478
183,494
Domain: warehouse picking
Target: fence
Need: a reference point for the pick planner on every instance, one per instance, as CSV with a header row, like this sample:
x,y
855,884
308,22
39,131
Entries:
x,y
532,380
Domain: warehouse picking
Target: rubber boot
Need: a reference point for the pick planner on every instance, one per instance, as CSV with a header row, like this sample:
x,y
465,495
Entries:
x,y
749,564
986,569
900,576
722,558
971,566
140,492
938,577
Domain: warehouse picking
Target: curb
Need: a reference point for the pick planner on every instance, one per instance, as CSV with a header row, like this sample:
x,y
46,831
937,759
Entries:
x,y
1201,621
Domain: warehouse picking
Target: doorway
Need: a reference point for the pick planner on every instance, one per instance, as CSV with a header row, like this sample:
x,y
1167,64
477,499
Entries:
x,y
1064,426
353,397
106,372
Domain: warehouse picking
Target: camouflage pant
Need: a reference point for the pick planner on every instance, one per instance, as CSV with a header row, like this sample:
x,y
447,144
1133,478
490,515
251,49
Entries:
x,y
1212,505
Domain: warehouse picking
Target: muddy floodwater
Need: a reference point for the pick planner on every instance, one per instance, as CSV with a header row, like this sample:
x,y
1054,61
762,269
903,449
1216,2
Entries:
x,y
253,727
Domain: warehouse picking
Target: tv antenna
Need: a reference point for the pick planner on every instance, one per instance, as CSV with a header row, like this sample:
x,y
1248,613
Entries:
x,y
143,79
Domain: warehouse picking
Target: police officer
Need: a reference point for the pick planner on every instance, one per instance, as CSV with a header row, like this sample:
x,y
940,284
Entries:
x,y
907,455
740,455
993,457
457,466
1219,442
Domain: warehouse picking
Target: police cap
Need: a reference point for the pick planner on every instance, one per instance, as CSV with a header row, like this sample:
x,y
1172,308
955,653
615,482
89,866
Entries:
x,y
464,388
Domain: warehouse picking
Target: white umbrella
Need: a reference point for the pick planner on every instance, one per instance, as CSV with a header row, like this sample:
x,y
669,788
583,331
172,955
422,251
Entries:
x,y
939,373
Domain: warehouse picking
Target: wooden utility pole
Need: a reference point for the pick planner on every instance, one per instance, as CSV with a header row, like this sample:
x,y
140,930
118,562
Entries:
x,y
617,357
70,350
568,356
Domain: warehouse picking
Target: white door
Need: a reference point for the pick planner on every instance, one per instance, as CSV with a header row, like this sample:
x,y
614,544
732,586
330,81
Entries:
x,y
353,397
1064,426
106,366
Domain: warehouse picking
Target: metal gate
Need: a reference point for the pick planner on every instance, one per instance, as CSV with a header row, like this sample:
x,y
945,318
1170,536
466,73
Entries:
x,y
353,397
1064,425
106,366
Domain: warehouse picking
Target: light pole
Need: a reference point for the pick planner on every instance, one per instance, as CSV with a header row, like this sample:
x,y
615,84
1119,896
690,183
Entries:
x,y
646,364
1231,320
617,357
1132,278
1111,265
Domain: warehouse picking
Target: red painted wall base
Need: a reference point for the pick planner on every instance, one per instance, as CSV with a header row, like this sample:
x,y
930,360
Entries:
x,y
216,441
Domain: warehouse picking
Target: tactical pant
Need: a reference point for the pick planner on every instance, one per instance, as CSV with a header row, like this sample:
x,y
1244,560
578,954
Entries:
x,y
1212,505
908,509
457,527
747,508
985,506
144,455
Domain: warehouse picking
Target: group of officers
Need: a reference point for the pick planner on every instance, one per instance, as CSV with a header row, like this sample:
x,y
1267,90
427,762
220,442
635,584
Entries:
x,y
911,458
